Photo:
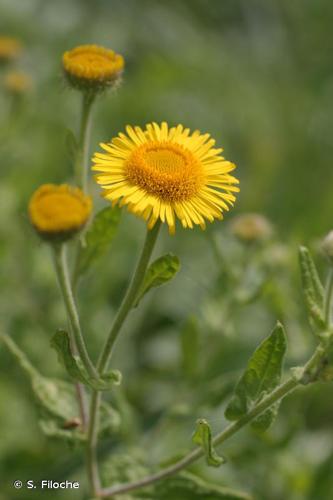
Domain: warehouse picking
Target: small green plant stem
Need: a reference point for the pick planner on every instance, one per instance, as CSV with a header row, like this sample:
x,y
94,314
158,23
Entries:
x,y
83,404
123,311
130,296
82,154
328,298
60,261
280,392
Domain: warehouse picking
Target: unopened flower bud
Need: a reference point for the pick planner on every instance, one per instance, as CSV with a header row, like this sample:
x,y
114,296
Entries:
x,y
92,68
17,82
327,246
58,212
251,227
10,49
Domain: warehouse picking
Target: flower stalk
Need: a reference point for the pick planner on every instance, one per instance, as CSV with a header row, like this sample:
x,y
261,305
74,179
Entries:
x,y
61,267
82,155
123,311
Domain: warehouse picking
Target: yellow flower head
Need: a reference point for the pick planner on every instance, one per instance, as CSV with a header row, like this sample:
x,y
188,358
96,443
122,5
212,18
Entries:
x,y
91,67
59,211
167,173
17,82
9,48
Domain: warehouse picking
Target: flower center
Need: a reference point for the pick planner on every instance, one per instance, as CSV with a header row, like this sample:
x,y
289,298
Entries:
x,y
93,63
93,60
166,170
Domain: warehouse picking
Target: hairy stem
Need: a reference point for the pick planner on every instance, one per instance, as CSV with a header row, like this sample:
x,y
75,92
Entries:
x,y
61,267
82,155
92,460
123,311
83,404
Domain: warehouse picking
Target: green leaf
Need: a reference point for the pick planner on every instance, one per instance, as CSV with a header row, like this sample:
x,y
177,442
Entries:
x,y
51,428
54,396
159,272
58,400
98,238
265,420
70,429
132,466
187,486
203,437
313,289
61,343
190,347
262,375
124,467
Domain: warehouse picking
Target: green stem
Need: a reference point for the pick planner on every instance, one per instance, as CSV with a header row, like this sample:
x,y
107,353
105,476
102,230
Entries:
x,y
60,261
328,298
92,460
129,298
124,309
280,392
82,156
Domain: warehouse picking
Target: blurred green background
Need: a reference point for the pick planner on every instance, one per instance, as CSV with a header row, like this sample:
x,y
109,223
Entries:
x,y
258,76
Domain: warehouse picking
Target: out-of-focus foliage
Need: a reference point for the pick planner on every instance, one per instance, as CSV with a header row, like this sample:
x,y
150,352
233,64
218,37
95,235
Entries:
x,y
259,77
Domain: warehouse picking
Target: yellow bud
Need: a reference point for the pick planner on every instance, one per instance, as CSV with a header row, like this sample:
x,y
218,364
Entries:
x,y
57,212
92,68
17,82
10,48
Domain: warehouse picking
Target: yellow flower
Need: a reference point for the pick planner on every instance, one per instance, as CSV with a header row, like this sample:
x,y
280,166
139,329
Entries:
x,y
9,48
166,173
91,67
59,211
17,82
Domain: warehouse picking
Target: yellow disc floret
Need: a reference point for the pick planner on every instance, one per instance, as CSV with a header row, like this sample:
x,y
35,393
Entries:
x,y
92,67
165,174
59,211
10,48
166,170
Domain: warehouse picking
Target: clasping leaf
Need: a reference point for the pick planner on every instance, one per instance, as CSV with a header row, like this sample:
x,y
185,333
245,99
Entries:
x,y
159,272
262,375
203,437
61,343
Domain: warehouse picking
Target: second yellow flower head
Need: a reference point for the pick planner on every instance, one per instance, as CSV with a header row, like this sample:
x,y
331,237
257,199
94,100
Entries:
x,y
58,212
91,67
